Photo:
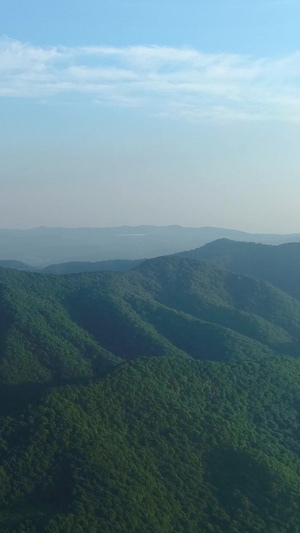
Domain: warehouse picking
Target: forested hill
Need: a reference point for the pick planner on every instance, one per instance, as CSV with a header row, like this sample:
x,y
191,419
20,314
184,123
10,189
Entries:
x,y
278,265
160,444
165,399
71,326
17,265
75,267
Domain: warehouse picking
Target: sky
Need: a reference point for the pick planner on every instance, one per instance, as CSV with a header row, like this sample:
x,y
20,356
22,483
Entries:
x,y
129,112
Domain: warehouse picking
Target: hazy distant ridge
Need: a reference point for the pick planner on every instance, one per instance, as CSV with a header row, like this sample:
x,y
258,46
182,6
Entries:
x,y
45,246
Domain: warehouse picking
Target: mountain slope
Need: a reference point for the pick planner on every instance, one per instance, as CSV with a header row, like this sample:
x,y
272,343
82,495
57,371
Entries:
x,y
162,399
76,267
161,444
38,341
278,265
77,326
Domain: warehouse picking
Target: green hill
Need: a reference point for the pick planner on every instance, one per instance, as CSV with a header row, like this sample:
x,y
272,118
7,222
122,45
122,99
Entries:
x,y
278,265
17,265
165,399
161,444
38,341
76,326
76,267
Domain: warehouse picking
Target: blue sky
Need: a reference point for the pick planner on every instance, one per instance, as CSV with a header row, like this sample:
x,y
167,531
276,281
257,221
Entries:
x,y
150,112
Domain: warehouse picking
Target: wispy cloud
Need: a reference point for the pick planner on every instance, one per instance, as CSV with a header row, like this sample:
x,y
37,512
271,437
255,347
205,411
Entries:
x,y
169,82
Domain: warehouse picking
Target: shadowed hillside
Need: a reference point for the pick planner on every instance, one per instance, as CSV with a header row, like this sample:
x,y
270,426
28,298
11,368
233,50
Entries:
x,y
278,265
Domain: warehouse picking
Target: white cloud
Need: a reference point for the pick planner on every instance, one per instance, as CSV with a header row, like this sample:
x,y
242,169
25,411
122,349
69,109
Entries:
x,y
16,56
177,82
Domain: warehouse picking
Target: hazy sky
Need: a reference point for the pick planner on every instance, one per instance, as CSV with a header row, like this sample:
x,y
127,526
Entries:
x,y
150,112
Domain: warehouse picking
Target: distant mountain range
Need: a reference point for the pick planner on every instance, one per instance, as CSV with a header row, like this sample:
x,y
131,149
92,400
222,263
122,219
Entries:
x,y
75,267
40,247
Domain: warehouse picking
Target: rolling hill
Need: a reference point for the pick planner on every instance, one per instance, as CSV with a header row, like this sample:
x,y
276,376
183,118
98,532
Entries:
x,y
166,398
278,265
68,326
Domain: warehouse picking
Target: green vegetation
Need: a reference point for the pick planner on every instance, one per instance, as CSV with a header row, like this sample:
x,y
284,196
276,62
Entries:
x,y
278,265
164,444
162,399
75,267
78,326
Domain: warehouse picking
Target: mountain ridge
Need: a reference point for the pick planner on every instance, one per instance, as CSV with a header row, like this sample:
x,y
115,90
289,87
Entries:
x,y
163,306
42,246
278,265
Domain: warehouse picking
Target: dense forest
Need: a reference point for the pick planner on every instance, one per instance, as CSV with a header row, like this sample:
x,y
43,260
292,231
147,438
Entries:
x,y
166,398
278,265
